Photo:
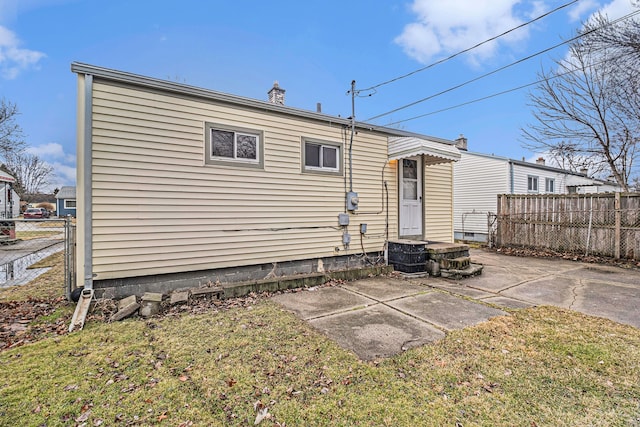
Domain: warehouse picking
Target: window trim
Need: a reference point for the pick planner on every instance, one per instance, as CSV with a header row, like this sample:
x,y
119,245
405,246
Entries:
x,y
531,179
70,200
339,147
209,159
548,181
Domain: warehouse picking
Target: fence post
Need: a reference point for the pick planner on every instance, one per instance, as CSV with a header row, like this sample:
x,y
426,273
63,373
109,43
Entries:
x,y
618,220
67,265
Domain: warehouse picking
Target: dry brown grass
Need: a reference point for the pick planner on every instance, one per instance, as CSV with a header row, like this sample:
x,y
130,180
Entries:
x,y
540,366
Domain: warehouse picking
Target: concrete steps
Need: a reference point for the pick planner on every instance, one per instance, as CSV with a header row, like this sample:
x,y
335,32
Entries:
x,y
435,258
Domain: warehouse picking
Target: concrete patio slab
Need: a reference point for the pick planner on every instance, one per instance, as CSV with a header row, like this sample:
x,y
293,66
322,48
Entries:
x,y
486,257
377,331
496,278
385,288
445,310
507,302
379,317
546,291
309,304
605,274
457,288
617,302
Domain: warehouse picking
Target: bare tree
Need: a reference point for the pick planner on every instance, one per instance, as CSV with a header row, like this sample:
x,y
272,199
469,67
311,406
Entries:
x,y
10,132
30,172
586,110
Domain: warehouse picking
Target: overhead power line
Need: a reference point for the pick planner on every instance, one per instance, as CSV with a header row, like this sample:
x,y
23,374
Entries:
x,y
629,15
484,98
470,48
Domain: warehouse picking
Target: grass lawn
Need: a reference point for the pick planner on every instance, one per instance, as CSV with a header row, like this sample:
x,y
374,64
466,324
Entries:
x,y
538,367
36,234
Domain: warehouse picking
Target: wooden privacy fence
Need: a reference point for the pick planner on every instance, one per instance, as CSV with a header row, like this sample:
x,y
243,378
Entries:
x,y
606,224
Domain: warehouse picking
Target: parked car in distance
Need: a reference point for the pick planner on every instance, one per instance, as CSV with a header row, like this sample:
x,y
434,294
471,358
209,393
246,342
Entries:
x,y
36,213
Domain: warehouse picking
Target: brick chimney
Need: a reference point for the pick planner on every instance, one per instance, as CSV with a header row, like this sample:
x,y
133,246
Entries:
x,y
461,143
276,94
540,161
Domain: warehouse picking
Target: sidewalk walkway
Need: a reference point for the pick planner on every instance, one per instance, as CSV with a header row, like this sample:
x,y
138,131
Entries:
x,y
380,317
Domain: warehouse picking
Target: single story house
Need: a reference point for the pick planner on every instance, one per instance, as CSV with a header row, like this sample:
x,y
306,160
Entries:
x,y
480,178
179,185
9,199
66,201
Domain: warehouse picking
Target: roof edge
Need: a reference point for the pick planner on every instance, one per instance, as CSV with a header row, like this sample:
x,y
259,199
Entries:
x,y
169,86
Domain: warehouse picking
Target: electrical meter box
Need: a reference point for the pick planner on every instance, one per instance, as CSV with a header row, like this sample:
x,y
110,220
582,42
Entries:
x,y
343,219
352,201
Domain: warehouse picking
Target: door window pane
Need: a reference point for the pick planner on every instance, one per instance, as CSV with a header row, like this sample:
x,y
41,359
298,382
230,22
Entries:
x,y
410,189
410,169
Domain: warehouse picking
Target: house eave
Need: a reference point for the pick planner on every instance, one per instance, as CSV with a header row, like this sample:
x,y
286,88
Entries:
x,y
107,74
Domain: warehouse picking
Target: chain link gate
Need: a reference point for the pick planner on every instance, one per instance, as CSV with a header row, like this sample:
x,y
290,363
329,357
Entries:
x,y
26,246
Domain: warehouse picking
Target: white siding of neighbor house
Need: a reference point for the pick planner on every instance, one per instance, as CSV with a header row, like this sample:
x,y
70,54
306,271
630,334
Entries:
x,y
157,208
438,202
478,179
522,172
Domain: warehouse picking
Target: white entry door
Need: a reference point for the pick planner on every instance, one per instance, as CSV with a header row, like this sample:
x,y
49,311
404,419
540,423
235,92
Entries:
x,y
410,197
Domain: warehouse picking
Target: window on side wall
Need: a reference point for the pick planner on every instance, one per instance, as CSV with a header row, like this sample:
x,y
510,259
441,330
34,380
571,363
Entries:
x,y
69,204
549,185
228,145
532,184
321,157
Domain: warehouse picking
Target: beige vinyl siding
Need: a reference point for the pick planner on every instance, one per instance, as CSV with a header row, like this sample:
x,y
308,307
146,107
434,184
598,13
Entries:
x,y
438,202
157,208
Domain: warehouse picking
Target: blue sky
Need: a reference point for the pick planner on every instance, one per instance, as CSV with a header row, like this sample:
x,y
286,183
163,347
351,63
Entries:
x,y
314,49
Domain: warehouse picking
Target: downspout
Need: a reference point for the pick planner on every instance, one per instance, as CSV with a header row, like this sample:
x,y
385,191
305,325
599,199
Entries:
x,y
511,177
87,176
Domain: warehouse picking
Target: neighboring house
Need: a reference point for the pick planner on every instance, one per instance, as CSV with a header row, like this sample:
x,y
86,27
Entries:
x,y
480,178
9,199
41,200
66,201
186,185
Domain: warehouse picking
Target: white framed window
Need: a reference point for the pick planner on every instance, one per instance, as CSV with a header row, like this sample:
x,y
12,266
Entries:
x,y
69,203
233,146
549,185
322,157
532,184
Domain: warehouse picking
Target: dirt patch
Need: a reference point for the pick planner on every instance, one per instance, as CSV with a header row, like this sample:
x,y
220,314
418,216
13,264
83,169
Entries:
x,y
547,253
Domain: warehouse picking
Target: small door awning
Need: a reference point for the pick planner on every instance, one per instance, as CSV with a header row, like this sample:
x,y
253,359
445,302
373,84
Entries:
x,y
434,152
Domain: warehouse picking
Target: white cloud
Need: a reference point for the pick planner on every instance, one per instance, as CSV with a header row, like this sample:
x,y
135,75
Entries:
x,y
14,59
450,26
64,164
52,150
585,6
64,174
618,8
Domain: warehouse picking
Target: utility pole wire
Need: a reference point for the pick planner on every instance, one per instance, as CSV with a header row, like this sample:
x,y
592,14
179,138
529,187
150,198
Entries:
x,y
504,92
470,48
498,69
